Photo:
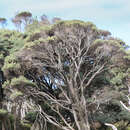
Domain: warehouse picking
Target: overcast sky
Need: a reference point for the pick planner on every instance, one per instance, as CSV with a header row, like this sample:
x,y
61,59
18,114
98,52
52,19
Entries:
x,y
112,15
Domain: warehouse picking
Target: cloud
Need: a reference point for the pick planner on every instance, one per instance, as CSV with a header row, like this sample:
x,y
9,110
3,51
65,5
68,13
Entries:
x,y
108,14
45,5
63,5
91,8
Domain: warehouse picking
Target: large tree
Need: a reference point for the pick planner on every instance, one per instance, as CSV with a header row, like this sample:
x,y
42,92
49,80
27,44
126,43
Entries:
x,y
70,75
66,67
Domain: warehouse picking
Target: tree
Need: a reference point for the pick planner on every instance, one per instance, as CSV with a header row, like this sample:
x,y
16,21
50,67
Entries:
x,y
70,75
3,22
25,16
56,19
17,22
69,68
22,19
44,20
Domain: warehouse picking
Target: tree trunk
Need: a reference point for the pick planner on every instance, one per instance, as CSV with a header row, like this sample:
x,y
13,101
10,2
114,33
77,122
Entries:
x,y
84,124
81,114
81,118
3,127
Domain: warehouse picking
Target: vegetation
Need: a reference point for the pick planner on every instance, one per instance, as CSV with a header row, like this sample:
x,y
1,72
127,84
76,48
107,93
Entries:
x,y
3,112
62,75
3,22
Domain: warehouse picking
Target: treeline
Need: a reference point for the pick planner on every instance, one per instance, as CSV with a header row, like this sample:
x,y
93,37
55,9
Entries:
x,y
24,18
64,76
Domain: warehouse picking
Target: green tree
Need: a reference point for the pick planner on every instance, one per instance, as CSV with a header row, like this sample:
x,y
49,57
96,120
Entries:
x,y
75,67
71,74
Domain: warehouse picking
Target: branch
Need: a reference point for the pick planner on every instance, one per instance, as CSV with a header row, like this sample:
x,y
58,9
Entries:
x,y
94,75
52,120
128,109
53,101
112,126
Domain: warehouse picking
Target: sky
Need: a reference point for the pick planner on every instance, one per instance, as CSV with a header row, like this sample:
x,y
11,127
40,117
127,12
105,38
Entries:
x,y
111,15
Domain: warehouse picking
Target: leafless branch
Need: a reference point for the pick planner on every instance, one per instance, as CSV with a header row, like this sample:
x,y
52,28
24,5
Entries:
x,y
112,126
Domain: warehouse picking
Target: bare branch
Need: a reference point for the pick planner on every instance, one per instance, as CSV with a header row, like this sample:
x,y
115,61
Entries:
x,y
112,126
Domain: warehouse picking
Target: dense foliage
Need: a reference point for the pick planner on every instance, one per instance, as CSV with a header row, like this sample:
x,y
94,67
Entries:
x,y
39,62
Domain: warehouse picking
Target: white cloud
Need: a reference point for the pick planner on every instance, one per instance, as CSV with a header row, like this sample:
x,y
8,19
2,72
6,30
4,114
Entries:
x,y
111,13
81,7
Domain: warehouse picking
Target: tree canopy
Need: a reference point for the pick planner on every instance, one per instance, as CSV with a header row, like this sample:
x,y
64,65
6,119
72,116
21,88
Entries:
x,y
66,75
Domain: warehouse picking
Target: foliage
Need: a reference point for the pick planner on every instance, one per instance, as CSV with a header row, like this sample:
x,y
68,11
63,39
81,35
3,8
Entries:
x,y
11,65
47,63
128,55
6,84
3,112
31,116
24,14
18,81
16,94
26,125
10,42
118,76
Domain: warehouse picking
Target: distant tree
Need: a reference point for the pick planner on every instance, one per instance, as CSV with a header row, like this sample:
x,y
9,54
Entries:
x,y
26,17
44,20
22,19
17,22
34,25
3,22
56,19
105,33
